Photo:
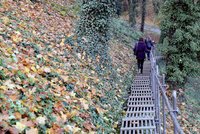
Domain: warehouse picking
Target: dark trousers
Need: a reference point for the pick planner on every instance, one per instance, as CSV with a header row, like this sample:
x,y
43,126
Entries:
x,y
140,63
148,55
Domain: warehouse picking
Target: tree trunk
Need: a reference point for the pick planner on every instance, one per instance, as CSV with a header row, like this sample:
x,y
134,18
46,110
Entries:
x,y
118,7
143,9
156,6
132,12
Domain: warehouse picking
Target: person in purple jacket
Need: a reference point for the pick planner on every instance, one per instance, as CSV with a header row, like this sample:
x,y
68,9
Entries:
x,y
139,51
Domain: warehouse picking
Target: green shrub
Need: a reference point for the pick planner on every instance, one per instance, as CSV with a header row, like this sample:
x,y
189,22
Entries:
x,y
122,31
94,26
181,44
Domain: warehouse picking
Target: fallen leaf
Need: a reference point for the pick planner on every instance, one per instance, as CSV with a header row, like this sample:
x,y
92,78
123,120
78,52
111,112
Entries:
x,y
32,131
84,103
88,126
71,114
20,126
41,120
16,37
62,42
27,122
17,115
13,130
3,88
26,70
5,20
76,129
33,69
47,70
9,84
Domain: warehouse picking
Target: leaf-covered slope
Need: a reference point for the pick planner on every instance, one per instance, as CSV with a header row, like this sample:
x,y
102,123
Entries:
x,y
45,85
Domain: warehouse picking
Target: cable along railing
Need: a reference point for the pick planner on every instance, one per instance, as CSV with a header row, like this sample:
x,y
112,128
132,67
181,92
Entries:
x,y
161,101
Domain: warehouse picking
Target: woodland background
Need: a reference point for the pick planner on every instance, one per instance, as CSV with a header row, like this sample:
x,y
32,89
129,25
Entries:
x,y
66,66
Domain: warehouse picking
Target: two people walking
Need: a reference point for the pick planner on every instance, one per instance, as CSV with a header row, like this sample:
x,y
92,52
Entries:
x,y
141,48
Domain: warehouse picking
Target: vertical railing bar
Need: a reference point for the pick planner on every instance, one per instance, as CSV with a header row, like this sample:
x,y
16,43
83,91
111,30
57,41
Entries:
x,y
170,109
154,80
175,110
163,104
158,101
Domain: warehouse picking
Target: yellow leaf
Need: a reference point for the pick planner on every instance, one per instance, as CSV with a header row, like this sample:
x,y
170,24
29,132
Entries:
x,y
3,88
76,130
100,110
115,125
71,114
33,69
32,131
9,50
26,70
5,20
84,103
20,126
22,25
62,42
17,115
16,37
63,116
92,132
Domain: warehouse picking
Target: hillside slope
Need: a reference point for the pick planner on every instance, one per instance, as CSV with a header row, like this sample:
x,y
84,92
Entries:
x,y
46,86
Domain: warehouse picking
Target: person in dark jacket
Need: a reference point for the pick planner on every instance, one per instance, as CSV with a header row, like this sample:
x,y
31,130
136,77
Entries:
x,y
139,51
149,45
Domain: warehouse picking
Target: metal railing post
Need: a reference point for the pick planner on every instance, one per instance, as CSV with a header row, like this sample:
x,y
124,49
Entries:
x,y
153,77
163,104
157,86
175,109
158,101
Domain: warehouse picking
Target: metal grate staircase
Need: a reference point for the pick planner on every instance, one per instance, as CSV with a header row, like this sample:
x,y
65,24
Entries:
x,y
140,115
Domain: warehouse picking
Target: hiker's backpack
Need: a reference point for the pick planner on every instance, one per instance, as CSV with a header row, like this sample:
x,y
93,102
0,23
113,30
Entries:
x,y
148,43
135,48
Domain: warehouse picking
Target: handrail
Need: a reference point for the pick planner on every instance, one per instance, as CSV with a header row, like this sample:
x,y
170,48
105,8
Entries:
x,y
157,87
171,111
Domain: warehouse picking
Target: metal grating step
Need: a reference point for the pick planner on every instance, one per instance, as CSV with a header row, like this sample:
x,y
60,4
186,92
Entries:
x,y
142,97
143,131
136,103
138,126
140,91
129,110
142,78
141,94
140,87
140,109
144,85
142,105
133,99
149,114
145,82
144,74
140,112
